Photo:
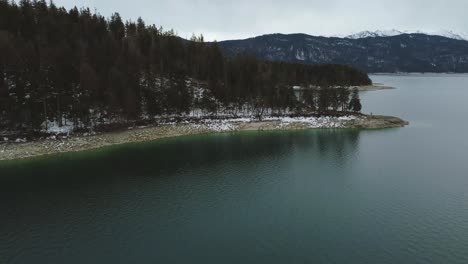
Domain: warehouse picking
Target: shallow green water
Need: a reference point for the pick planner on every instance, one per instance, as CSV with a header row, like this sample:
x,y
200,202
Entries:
x,y
323,196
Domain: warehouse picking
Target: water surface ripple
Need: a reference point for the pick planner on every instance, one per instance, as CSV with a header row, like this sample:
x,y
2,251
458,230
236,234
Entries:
x,y
322,196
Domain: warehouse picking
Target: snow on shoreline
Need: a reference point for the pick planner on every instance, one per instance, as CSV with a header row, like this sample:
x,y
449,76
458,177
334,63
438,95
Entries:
x,y
317,122
12,150
233,124
224,124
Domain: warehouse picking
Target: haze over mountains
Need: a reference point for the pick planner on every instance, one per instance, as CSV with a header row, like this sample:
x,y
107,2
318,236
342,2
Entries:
x,y
371,51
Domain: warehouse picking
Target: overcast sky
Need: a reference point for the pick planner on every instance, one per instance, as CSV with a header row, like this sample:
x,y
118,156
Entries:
x,y
227,19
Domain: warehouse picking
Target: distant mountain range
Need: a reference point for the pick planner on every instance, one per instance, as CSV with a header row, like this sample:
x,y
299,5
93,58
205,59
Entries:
x,y
393,32
377,51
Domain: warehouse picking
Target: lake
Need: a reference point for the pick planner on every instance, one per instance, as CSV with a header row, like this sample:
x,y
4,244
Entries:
x,y
318,196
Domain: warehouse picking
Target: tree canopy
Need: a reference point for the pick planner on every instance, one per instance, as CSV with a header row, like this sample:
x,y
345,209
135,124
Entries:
x,y
58,64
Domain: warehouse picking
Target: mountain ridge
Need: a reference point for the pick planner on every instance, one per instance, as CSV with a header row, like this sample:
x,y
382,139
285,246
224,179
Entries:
x,y
369,33
407,52
394,32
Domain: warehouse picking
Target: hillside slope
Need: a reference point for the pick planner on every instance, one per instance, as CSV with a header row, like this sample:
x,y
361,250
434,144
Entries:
x,y
400,53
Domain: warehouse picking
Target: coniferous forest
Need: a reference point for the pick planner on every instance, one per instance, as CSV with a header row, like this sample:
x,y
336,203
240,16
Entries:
x,y
78,66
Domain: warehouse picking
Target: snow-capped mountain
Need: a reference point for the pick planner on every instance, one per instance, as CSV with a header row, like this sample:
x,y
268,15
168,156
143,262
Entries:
x,y
450,34
373,34
391,33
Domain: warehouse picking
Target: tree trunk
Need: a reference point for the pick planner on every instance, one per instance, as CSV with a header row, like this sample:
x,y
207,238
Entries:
x,y
59,113
45,114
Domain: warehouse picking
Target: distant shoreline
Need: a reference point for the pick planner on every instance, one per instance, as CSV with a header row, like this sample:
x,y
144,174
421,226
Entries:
x,y
44,147
418,73
362,88
374,87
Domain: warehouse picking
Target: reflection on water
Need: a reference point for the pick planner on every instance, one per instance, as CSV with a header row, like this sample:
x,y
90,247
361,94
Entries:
x,y
345,196
169,156
49,203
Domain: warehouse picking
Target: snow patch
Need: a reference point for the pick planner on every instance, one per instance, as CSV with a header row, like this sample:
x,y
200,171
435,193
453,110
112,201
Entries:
x,y
300,55
232,124
314,122
54,128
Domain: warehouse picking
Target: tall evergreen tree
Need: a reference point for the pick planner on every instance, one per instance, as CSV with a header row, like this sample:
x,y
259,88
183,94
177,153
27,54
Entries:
x,y
58,64
355,103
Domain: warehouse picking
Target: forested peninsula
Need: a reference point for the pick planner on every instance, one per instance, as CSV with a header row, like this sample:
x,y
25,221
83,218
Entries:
x,y
75,71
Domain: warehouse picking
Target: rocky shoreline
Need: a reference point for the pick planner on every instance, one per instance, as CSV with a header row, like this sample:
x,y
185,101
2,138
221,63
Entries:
x,y
374,87
23,150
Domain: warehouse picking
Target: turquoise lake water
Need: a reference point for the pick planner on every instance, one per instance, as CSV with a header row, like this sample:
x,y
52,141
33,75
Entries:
x,y
318,196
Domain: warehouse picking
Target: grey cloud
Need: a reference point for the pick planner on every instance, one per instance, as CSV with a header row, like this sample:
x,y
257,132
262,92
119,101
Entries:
x,y
246,18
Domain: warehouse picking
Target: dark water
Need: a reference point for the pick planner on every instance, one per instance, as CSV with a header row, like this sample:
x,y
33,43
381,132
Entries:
x,y
344,196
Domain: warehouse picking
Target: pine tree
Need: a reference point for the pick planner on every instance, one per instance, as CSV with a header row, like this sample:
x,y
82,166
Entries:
x,y
77,64
309,96
343,98
355,103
